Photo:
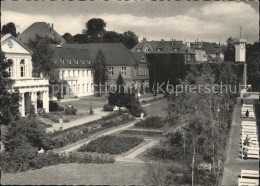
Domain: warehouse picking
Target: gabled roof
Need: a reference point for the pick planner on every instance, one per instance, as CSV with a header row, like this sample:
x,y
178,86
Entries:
x,y
6,36
165,46
42,29
211,48
72,58
115,53
139,57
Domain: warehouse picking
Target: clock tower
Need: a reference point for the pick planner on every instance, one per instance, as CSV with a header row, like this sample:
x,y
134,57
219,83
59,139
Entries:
x,y
240,50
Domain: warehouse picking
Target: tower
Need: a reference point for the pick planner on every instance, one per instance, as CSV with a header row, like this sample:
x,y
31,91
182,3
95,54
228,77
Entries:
x,y
240,57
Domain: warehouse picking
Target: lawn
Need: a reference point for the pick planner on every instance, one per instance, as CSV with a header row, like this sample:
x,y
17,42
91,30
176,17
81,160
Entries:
x,y
142,133
80,174
111,144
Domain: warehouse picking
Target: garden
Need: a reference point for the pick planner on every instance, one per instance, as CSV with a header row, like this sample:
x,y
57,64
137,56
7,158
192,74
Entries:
x,y
154,134
111,144
74,134
153,122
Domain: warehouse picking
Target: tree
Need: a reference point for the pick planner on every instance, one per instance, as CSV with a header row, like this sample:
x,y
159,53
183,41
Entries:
x,y
100,70
80,38
68,37
9,101
112,37
43,62
230,51
130,39
95,29
9,28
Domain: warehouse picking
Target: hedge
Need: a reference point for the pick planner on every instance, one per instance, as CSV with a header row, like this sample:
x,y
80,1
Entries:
x,y
111,144
12,164
142,133
154,122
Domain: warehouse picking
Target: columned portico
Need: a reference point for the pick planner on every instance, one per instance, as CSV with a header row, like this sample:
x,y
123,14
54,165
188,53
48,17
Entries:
x,y
21,72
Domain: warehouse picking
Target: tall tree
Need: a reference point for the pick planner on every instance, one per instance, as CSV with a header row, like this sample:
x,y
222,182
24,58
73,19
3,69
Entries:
x,y
9,28
68,37
230,50
9,101
95,29
43,63
100,70
130,39
112,37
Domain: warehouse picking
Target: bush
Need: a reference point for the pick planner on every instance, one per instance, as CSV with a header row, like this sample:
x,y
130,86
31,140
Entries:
x,y
25,159
71,111
53,106
154,122
107,107
111,144
163,153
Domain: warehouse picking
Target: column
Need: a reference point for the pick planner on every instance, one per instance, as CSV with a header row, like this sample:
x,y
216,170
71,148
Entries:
x,y
45,100
34,100
245,76
22,105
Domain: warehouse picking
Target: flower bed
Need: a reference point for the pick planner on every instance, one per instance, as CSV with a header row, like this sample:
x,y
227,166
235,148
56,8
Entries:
x,y
111,144
153,122
142,133
74,134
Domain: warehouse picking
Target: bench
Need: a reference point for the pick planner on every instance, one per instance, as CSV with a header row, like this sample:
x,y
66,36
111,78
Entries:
x,y
244,181
250,173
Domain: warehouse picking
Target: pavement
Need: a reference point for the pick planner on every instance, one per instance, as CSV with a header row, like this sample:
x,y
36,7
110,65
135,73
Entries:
x,y
98,114
233,163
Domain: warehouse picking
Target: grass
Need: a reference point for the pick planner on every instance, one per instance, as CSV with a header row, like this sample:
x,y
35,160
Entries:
x,y
142,133
111,144
80,174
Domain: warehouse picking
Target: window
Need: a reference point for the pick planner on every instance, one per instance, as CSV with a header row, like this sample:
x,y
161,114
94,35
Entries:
x,y
138,50
74,73
92,72
22,67
159,49
83,88
70,61
110,71
147,49
77,61
123,71
92,87
10,71
140,72
87,87
62,60
69,73
79,89
87,73
188,57
79,73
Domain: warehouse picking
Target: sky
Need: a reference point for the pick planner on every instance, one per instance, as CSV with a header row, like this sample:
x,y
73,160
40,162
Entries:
x,y
181,20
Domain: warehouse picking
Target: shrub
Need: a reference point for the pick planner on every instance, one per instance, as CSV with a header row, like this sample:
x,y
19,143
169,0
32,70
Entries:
x,y
53,106
111,144
71,111
151,122
163,153
142,133
25,159
107,107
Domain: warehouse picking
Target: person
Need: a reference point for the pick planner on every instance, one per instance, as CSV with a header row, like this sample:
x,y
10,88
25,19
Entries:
x,y
247,113
245,153
70,105
247,141
65,107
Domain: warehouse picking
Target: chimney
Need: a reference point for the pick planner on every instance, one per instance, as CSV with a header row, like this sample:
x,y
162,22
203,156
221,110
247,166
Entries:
x,y
144,39
172,41
52,26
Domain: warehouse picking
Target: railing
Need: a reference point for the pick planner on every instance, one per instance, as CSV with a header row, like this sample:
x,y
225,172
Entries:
x,y
30,82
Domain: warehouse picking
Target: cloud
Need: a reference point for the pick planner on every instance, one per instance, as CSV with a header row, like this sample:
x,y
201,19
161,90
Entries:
x,y
209,22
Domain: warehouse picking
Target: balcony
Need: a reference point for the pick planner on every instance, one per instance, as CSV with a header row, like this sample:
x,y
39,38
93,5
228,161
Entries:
x,y
30,82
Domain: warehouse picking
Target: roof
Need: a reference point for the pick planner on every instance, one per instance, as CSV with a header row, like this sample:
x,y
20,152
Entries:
x,y
211,48
72,58
42,29
115,53
6,36
139,57
166,46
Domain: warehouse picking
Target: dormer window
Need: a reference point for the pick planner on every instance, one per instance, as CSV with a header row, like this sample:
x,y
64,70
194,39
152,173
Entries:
x,y
62,60
175,49
147,49
89,62
138,50
70,61
77,61
159,49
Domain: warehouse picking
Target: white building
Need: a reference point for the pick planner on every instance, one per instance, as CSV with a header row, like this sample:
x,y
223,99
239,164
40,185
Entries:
x,y
75,66
30,88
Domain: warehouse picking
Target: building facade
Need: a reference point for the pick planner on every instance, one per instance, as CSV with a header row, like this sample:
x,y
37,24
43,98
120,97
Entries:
x,y
31,89
76,68
119,59
166,47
